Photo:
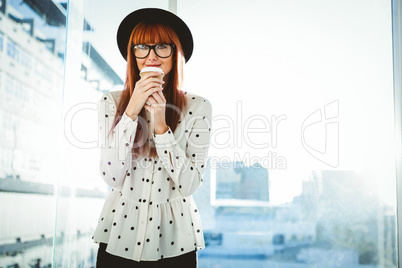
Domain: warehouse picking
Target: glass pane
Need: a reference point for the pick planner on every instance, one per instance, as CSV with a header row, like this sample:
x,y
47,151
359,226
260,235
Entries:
x,y
301,168
94,66
302,161
32,42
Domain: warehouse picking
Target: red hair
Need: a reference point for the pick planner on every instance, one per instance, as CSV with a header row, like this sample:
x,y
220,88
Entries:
x,y
176,100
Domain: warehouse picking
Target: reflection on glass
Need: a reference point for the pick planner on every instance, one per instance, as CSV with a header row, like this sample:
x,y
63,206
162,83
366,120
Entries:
x,y
235,181
335,221
306,213
333,202
81,191
31,79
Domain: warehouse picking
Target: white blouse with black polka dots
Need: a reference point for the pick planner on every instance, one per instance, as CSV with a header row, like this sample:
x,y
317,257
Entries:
x,y
150,213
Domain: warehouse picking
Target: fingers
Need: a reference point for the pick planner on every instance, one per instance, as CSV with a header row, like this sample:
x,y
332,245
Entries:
x,y
155,100
155,90
161,94
151,77
147,107
150,85
158,96
152,80
146,87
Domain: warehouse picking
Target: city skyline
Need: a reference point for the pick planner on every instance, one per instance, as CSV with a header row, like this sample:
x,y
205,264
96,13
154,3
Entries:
x,y
279,112
274,118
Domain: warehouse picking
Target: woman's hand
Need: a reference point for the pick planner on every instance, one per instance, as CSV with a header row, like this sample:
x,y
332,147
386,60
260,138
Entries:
x,y
149,84
157,109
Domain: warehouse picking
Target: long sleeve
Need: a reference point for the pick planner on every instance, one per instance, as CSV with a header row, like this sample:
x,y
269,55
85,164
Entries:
x,y
186,166
115,149
151,215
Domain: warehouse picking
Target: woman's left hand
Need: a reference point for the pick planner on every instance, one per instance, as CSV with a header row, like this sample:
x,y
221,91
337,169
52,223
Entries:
x,y
157,110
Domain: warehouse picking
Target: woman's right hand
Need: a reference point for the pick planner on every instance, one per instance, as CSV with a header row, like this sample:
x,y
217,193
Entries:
x,y
144,88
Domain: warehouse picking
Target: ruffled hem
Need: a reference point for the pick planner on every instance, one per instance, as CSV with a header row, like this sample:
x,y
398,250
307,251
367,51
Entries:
x,y
140,231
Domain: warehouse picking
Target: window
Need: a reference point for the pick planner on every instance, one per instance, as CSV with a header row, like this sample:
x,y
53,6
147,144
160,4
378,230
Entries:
x,y
301,168
26,60
13,51
293,95
30,121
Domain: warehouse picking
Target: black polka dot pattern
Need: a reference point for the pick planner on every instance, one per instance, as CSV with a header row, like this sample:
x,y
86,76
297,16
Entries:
x,y
175,172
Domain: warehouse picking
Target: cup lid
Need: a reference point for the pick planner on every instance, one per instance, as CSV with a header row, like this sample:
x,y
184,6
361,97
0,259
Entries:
x,y
152,69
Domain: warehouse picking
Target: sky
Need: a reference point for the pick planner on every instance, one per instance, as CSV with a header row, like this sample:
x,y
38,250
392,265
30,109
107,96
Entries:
x,y
295,85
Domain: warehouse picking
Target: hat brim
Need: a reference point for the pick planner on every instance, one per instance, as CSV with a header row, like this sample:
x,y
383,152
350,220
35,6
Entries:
x,y
154,15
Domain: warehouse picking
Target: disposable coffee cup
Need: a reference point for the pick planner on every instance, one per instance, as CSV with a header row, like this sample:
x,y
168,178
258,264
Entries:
x,y
152,69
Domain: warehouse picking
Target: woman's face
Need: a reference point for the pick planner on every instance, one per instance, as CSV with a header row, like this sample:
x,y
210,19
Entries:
x,y
152,60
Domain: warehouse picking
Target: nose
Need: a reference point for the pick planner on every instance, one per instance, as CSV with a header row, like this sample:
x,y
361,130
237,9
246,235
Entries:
x,y
152,54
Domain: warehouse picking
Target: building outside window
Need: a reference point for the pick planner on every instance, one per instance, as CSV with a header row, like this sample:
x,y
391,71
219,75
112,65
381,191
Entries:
x,y
301,168
13,50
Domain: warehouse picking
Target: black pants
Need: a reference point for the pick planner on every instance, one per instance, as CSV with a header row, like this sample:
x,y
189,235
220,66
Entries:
x,y
107,260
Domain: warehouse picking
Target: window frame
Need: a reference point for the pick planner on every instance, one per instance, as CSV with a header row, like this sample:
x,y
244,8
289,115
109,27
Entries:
x,y
397,49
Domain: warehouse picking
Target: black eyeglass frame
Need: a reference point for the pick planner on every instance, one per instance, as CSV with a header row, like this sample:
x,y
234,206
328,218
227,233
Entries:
x,y
153,48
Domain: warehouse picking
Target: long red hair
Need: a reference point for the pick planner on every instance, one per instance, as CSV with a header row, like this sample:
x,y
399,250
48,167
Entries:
x,y
176,101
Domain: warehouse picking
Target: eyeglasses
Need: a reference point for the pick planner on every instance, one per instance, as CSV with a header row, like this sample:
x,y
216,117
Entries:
x,y
141,51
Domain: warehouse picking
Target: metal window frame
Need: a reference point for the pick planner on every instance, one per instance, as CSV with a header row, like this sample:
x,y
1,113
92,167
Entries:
x,y
397,62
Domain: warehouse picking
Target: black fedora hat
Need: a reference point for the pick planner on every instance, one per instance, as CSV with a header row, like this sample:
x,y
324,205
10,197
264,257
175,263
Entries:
x,y
154,15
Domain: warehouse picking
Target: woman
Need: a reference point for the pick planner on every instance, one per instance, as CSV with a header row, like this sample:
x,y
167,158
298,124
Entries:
x,y
154,143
